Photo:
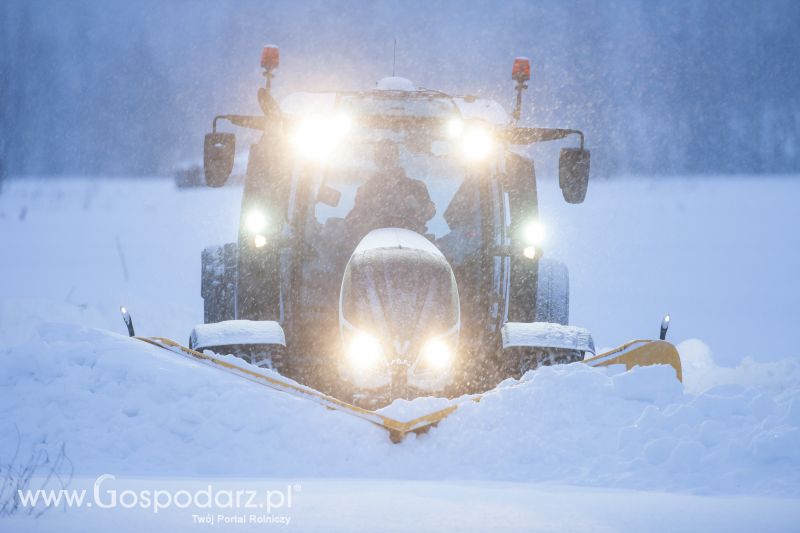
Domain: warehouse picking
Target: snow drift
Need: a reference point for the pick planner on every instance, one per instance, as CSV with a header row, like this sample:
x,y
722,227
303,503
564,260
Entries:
x,y
122,406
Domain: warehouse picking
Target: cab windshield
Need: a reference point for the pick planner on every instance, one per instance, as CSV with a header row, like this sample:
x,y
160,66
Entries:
x,y
358,175
410,175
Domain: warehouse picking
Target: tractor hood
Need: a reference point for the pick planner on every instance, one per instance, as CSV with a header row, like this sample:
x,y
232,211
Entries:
x,y
399,289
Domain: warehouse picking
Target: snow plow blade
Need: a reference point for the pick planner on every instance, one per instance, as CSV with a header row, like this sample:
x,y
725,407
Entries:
x,y
640,353
631,354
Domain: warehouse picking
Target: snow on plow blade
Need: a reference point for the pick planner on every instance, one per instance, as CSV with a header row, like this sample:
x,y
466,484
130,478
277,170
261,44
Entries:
x,y
634,353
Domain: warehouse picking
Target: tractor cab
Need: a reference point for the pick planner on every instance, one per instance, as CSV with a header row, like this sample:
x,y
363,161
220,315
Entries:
x,y
392,234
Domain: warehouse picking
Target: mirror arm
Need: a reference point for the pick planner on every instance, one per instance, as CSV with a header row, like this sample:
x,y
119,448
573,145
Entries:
x,y
580,134
243,121
553,134
534,135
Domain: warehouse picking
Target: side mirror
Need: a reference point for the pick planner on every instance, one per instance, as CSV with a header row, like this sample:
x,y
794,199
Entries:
x,y
218,153
573,174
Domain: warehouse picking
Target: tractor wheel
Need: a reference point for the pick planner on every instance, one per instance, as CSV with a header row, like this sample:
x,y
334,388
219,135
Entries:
x,y
218,282
552,292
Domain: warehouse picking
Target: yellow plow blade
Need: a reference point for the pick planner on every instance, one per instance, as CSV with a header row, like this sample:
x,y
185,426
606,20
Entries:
x,y
634,353
640,353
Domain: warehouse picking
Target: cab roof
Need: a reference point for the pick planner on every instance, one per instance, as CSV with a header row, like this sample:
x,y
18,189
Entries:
x,y
395,96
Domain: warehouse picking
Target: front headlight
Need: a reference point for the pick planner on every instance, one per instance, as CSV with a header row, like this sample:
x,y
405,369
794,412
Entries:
x,y
364,352
255,221
533,236
436,354
455,127
315,137
533,233
476,143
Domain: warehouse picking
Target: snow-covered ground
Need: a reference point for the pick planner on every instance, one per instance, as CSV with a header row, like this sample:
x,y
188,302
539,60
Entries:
x,y
568,448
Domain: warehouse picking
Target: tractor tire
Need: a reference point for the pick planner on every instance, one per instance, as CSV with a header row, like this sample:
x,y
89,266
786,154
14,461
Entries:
x,y
539,293
552,292
219,282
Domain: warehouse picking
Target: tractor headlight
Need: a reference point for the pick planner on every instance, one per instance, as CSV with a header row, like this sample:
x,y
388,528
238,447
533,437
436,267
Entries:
x,y
364,352
476,143
316,137
255,222
455,127
533,233
436,354
533,237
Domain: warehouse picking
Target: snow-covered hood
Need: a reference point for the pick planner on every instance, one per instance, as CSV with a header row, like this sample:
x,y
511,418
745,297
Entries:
x,y
399,288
